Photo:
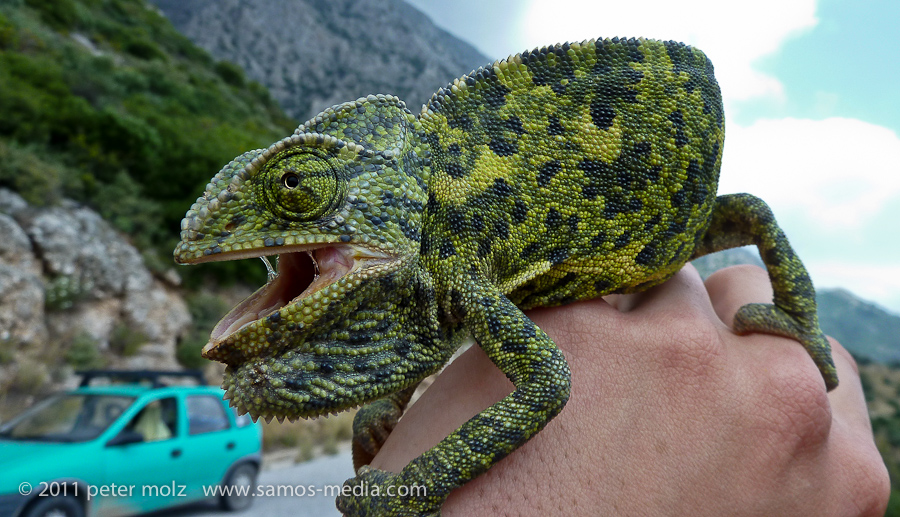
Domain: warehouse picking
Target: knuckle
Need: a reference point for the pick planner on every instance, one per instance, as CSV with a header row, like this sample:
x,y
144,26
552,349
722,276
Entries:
x,y
874,488
691,348
796,405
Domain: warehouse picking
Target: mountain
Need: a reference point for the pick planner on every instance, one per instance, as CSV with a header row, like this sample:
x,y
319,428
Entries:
x,y
869,332
312,54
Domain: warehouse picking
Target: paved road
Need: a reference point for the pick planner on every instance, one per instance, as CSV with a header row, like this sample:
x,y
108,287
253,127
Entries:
x,y
330,470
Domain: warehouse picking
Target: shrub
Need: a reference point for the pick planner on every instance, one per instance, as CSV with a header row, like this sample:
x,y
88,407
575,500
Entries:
x,y
231,73
64,291
84,353
126,341
59,14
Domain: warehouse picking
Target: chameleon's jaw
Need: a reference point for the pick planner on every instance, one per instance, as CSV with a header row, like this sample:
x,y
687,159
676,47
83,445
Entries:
x,y
298,275
301,273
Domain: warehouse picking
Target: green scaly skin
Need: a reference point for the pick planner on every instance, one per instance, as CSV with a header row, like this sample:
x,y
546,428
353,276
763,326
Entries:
x,y
560,174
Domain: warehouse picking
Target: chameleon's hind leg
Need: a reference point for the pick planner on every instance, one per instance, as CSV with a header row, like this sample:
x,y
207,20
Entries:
x,y
374,422
742,219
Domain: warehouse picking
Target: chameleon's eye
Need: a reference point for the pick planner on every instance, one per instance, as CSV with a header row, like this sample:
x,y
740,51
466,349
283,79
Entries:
x,y
301,185
290,180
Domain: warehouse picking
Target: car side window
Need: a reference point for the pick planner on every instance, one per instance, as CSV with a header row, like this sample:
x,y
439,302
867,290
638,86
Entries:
x,y
205,414
157,420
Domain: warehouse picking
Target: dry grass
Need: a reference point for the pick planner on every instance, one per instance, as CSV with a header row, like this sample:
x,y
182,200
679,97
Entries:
x,y
309,438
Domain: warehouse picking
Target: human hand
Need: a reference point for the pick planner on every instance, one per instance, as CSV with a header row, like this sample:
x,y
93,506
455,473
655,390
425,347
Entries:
x,y
670,414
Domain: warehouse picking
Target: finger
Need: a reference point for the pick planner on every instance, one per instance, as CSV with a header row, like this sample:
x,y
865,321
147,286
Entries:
x,y
848,399
863,477
733,287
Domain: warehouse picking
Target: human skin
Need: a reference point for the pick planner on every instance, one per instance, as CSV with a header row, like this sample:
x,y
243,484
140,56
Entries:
x,y
671,413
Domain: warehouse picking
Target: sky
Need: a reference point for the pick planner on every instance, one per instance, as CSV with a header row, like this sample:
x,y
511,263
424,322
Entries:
x,y
811,106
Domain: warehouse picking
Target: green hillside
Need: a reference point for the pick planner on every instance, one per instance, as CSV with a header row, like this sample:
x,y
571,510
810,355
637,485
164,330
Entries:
x,y
104,102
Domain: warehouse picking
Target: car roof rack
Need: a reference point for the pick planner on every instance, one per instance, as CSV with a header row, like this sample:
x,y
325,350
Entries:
x,y
139,375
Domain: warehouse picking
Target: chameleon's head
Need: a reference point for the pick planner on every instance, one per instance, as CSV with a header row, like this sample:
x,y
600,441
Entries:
x,y
339,214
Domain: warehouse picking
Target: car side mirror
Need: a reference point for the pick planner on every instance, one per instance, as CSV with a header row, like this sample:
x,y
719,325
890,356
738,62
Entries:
x,y
125,437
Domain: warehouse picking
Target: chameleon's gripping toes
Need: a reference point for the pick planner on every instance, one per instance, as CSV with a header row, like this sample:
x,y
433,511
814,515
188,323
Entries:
x,y
560,174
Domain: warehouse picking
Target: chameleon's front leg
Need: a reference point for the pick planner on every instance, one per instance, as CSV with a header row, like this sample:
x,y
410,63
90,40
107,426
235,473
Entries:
x,y
743,219
374,422
541,376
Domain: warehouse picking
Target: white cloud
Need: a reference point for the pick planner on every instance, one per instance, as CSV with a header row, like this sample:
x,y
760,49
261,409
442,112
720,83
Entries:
x,y
836,172
832,184
734,35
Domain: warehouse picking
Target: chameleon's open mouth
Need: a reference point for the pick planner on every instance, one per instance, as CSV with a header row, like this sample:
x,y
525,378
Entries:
x,y
300,273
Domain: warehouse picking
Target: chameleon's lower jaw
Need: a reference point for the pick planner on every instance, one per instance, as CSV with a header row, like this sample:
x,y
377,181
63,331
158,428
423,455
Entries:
x,y
300,274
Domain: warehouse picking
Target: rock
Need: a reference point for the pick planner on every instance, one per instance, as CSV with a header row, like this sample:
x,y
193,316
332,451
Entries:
x,y
11,203
312,54
67,278
21,287
74,241
21,306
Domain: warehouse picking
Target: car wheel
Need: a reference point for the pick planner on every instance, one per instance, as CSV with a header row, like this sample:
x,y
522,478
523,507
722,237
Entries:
x,y
237,491
56,507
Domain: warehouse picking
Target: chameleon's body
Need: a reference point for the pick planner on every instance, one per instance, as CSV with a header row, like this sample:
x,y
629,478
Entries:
x,y
561,174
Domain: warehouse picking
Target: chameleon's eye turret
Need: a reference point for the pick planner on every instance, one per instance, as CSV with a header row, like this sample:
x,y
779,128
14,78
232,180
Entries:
x,y
302,185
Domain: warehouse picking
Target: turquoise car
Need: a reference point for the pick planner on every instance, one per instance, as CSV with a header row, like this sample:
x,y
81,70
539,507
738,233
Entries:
x,y
124,449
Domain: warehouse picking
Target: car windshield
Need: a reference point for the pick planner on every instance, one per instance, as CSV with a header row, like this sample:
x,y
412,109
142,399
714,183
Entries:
x,y
67,418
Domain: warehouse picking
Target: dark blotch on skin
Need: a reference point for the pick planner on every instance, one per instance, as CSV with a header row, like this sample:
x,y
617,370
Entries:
x,y
646,255
455,170
502,147
514,124
554,219
501,229
548,171
519,212
447,250
501,188
554,127
602,113
677,119
557,255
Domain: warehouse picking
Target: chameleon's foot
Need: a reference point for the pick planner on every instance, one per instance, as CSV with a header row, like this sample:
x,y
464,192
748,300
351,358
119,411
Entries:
x,y
371,429
377,493
374,422
767,318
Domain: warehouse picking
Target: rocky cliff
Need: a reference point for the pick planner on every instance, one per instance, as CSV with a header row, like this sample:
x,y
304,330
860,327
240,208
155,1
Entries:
x,y
75,294
312,54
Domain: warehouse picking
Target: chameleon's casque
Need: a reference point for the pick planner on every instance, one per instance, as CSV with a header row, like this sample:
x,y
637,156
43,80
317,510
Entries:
x,y
555,175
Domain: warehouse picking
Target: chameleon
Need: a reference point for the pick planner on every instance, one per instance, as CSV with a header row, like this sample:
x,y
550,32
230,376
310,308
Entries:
x,y
563,173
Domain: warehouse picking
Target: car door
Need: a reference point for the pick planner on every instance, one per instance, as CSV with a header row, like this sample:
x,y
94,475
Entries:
x,y
210,444
149,470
